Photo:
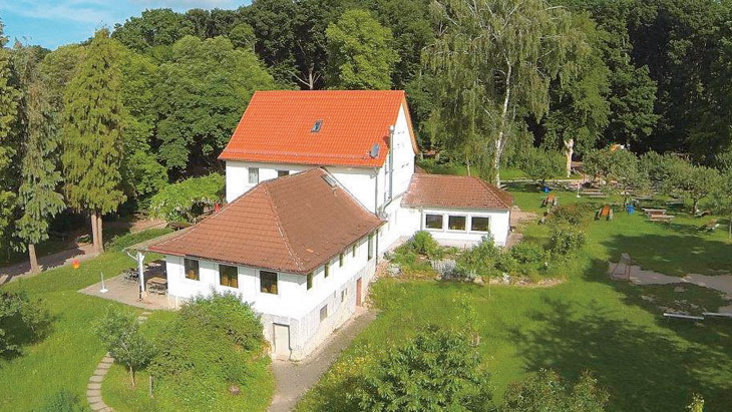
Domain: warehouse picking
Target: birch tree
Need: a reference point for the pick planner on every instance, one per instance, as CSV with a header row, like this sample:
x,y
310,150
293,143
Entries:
x,y
496,59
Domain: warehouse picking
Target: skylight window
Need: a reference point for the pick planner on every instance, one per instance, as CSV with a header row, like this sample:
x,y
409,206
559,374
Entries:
x,y
317,126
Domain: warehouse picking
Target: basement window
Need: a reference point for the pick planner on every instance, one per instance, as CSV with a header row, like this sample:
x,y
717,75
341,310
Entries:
x,y
191,269
324,313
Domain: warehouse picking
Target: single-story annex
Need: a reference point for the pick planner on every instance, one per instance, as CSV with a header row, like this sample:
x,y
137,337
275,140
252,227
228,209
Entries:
x,y
319,185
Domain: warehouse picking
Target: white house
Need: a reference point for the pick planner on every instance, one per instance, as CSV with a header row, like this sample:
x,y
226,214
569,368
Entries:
x,y
319,184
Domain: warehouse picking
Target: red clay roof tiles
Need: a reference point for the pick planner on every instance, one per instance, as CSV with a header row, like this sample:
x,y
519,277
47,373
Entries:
x,y
454,192
277,127
291,224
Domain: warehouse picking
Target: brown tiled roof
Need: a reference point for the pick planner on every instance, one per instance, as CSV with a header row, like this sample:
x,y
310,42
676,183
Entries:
x,y
291,224
277,127
454,192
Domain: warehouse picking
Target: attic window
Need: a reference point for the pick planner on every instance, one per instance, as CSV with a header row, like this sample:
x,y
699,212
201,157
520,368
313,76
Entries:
x,y
317,126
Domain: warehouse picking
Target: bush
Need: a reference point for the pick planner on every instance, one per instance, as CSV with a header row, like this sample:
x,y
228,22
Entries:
x,y
186,200
546,392
213,342
63,401
480,260
445,267
541,165
530,259
423,243
22,321
436,370
566,240
578,214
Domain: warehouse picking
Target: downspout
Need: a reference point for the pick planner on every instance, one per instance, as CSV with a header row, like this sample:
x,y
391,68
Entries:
x,y
376,208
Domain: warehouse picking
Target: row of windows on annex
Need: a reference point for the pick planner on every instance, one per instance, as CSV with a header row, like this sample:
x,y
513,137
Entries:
x,y
456,223
253,173
229,275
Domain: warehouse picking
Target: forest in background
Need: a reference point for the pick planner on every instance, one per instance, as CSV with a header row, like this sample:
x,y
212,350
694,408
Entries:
x,y
101,127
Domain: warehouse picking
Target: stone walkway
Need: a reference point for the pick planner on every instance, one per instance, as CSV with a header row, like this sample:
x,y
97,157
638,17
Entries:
x,y
94,388
638,276
293,379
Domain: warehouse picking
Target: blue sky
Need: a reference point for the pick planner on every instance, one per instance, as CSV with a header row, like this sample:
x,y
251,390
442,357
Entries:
x,y
53,23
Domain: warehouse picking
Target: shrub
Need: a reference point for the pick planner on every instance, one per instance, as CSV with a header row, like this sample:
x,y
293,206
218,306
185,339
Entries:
x,y
22,321
213,342
578,214
120,332
186,200
436,370
423,243
445,267
546,392
480,260
566,239
63,401
530,259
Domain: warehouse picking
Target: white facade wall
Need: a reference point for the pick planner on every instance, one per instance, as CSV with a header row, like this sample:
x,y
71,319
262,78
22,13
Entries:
x,y
499,226
294,305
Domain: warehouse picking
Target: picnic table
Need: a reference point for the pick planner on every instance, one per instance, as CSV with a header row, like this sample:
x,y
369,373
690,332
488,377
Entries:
x,y
157,285
650,212
661,218
594,193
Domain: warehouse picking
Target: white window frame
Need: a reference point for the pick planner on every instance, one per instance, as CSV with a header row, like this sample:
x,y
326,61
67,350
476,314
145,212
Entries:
x,y
490,220
447,227
238,272
250,174
259,284
429,229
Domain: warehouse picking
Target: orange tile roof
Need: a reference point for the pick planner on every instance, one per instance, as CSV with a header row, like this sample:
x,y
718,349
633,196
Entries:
x,y
454,192
292,224
276,127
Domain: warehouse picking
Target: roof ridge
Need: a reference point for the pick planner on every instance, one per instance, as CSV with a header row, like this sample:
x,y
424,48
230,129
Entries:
x,y
295,258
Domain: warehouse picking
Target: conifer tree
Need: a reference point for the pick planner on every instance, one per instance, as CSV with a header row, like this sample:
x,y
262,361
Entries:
x,y
8,117
92,135
38,199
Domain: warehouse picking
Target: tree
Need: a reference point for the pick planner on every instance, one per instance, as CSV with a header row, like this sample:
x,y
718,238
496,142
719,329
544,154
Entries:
x,y
38,199
92,135
722,199
541,165
545,392
496,59
619,170
687,180
158,27
120,333
22,321
580,108
199,100
9,95
436,370
360,52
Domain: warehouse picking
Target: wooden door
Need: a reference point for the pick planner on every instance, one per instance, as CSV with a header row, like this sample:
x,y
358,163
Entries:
x,y
358,292
282,340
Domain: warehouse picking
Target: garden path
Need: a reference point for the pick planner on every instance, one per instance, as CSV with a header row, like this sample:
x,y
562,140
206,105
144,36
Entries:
x,y
94,388
721,283
293,379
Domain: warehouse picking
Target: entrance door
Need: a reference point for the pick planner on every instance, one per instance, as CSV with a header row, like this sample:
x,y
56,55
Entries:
x,y
282,340
358,292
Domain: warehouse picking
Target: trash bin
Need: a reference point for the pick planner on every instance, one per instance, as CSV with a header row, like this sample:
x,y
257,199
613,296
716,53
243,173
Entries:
x,y
631,209
546,189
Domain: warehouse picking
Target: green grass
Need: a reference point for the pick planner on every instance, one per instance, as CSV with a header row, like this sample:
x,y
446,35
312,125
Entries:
x,y
67,357
449,168
613,329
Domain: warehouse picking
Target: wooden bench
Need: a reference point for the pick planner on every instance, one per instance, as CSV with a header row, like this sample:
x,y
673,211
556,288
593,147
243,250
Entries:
x,y
682,316
662,218
650,212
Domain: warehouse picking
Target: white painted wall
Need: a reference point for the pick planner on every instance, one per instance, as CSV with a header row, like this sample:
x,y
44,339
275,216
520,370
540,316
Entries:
x,y
294,305
499,225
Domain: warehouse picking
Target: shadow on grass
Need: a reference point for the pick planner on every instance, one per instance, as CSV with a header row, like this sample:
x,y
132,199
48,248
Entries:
x,y
673,255
31,325
643,369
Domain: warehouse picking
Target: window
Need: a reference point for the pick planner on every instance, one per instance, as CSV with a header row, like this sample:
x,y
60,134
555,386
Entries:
x,y
344,292
340,260
253,175
281,173
480,224
326,270
268,282
456,222
354,251
433,221
317,126
191,269
310,280
323,313
228,276
371,246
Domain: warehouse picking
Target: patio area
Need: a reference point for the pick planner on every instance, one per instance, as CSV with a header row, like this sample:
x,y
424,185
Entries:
x,y
125,288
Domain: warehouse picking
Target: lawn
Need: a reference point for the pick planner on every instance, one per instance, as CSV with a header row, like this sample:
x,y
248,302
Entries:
x,y
612,329
507,173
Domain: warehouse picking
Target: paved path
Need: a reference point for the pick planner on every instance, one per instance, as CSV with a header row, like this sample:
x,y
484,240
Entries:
x,y
638,276
94,388
294,379
20,270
